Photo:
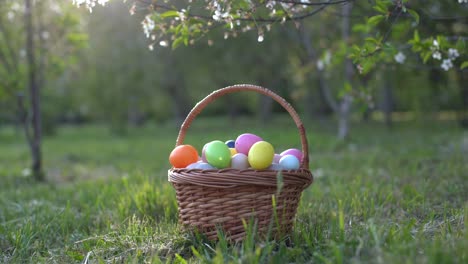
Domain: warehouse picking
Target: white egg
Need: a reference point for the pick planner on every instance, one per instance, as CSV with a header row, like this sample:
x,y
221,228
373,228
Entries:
x,y
239,161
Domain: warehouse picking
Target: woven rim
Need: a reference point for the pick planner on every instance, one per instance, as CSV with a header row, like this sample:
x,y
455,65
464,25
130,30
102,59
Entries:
x,y
228,178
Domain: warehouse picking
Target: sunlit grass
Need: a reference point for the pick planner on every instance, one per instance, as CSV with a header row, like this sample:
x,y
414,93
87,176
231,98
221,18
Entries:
x,y
383,196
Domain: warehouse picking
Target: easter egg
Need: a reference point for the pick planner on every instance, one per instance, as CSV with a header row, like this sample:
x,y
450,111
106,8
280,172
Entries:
x,y
275,166
245,141
182,156
294,152
231,143
233,151
239,161
218,154
204,166
203,157
261,155
193,166
276,158
289,162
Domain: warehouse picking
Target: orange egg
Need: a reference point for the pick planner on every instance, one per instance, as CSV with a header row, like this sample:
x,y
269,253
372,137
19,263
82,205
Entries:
x,y
182,156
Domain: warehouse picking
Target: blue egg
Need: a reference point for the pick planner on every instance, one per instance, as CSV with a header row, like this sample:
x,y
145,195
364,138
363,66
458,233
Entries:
x,y
289,162
192,166
231,143
204,166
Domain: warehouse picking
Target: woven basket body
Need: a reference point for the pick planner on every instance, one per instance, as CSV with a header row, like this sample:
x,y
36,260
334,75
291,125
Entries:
x,y
225,199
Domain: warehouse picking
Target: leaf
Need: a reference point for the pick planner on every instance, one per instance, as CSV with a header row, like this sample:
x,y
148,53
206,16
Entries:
x,y
416,36
464,65
414,14
170,13
177,42
380,9
426,56
374,20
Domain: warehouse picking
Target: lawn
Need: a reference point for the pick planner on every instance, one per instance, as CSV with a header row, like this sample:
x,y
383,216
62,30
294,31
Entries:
x,y
384,196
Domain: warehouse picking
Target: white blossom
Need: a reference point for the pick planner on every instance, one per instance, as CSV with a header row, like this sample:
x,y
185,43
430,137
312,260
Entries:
x,y
218,15
435,43
320,65
90,3
148,25
462,1
45,35
260,38
163,43
270,5
453,53
446,64
437,55
10,15
400,57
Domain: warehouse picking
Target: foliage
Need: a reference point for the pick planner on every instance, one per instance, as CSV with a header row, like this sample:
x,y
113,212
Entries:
x,y
170,23
390,197
59,38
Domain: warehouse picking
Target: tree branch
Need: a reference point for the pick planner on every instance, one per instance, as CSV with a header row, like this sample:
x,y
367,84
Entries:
x,y
314,3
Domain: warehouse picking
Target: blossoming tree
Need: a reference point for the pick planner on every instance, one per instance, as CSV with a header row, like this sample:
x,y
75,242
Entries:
x,y
383,32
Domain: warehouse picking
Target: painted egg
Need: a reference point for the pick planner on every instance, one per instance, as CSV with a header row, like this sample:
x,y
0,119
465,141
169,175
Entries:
x,y
203,157
183,155
245,141
289,162
276,158
231,143
239,161
261,155
204,166
275,166
217,154
193,166
233,151
297,153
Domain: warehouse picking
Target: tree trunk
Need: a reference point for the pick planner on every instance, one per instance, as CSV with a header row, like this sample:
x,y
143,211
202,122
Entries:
x,y
266,108
324,91
462,81
345,104
34,91
387,100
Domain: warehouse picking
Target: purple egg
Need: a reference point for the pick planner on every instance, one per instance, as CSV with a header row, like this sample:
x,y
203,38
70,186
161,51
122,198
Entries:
x,y
245,141
275,166
295,152
276,158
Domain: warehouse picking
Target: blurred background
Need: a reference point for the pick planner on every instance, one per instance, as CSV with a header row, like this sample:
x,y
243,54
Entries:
x,y
99,68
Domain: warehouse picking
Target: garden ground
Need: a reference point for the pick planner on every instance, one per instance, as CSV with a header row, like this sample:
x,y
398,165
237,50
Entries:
x,y
384,196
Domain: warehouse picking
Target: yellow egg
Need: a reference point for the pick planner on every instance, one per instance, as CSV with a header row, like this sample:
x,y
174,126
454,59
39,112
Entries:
x,y
233,151
261,155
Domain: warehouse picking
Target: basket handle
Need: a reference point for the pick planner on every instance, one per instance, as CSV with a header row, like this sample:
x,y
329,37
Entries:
x,y
247,87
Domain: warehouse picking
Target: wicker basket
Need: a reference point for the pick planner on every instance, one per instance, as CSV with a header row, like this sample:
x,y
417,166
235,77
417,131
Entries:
x,y
212,199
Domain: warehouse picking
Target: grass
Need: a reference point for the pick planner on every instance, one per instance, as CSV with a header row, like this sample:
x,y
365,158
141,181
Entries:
x,y
384,196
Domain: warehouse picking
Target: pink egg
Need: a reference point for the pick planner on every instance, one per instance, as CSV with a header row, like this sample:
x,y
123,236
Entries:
x,y
203,157
245,141
295,152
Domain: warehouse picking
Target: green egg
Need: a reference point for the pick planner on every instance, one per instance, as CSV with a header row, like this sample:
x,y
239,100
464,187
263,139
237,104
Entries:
x,y
217,154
